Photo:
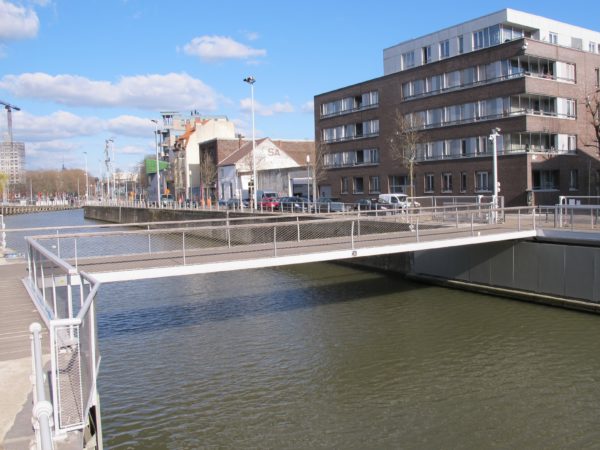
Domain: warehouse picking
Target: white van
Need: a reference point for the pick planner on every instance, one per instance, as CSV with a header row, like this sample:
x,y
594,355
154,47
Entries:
x,y
396,200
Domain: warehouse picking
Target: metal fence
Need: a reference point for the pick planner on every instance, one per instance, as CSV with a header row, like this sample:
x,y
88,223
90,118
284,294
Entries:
x,y
181,243
65,299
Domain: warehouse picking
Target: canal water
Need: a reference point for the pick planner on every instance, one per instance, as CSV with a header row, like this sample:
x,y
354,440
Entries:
x,y
328,356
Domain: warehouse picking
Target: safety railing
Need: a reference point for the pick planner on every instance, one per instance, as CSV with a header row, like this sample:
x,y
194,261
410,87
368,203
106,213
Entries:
x,y
184,244
65,299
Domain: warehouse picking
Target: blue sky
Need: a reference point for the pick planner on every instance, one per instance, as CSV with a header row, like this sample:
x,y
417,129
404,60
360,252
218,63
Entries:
x,y
83,71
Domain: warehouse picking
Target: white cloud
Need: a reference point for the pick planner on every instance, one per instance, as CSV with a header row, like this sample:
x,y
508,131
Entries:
x,y
131,126
214,48
17,22
132,150
52,154
266,110
308,107
152,92
58,125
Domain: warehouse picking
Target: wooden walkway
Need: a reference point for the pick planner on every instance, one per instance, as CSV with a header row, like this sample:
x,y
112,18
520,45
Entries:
x,y
17,313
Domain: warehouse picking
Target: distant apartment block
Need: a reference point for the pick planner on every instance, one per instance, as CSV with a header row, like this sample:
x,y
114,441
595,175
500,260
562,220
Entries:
x,y
527,75
12,161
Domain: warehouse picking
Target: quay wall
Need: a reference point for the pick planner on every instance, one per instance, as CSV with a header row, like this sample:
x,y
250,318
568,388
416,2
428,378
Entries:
x,y
551,273
123,214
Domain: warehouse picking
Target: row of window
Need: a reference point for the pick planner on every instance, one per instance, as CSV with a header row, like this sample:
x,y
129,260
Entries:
x,y
350,104
493,108
485,37
482,182
507,143
369,128
488,73
351,158
463,148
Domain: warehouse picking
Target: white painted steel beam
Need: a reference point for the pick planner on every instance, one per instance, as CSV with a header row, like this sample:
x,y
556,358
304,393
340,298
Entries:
x,y
212,267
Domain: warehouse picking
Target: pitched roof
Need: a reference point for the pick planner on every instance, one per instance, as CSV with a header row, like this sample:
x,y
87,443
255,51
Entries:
x,y
297,150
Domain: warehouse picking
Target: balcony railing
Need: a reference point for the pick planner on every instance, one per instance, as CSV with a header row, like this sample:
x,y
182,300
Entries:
x,y
349,111
352,138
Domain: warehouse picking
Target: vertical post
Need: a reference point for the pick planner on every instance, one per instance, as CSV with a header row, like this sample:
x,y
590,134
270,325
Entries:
x,y
352,235
42,409
251,80
3,226
494,139
149,240
157,163
472,228
417,229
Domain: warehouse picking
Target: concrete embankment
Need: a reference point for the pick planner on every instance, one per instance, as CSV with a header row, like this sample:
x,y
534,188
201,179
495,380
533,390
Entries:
x,y
553,273
123,214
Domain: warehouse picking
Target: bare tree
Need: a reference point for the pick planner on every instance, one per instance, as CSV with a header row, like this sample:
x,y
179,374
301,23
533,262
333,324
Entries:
x,y
592,105
404,143
318,165
3,185
208,172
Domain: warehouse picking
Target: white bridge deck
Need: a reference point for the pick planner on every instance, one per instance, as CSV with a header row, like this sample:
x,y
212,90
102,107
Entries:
x,y
181,248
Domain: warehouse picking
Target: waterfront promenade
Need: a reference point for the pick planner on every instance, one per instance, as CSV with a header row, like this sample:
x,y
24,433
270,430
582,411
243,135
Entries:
x,y
18,312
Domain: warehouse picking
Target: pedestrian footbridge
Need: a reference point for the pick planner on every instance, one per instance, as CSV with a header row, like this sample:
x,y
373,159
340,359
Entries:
x,y
66,269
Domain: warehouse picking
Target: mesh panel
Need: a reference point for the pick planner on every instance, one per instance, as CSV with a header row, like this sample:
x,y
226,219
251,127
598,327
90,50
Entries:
x,y
68,376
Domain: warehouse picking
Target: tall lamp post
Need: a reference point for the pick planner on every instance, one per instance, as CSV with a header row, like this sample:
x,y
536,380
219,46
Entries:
x,y
87,183
494,139
157,165
308,177
251,80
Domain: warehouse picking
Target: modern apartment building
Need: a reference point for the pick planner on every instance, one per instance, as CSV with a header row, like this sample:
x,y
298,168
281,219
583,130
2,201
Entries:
x,y
528,76
12,162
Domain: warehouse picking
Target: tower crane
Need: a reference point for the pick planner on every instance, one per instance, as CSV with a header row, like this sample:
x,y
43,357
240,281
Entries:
x,y
9,109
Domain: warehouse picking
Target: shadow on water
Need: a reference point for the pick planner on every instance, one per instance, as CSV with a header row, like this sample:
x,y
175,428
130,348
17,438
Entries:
x,y
220,307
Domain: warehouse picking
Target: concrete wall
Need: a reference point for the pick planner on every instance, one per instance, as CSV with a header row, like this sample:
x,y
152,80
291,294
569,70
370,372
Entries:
x,y
118,214
569,271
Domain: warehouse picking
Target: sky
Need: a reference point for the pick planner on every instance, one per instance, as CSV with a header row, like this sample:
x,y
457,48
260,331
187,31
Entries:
x,y
84,71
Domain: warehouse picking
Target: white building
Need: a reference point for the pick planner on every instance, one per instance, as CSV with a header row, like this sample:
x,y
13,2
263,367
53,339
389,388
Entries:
x,y
487,31
281,167
12,161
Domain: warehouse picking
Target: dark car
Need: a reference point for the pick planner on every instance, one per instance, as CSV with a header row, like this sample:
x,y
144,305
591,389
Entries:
x,y
293,204
367,204
234,203
328,204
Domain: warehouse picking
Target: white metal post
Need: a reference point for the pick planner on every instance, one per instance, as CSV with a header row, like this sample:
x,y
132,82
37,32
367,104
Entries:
x,y
251,80
494,139
157,163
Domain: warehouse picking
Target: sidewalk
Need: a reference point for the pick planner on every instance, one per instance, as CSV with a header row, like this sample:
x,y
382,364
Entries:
x,y
18,312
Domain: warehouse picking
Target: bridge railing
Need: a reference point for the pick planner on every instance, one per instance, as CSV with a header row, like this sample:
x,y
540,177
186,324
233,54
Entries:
x,y
65,299
182,243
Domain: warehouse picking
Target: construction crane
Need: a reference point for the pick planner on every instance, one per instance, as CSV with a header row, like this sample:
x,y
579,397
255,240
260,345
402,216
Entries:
x,y
9,109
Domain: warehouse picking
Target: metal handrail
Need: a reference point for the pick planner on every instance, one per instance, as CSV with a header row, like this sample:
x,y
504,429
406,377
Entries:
x,y
42,408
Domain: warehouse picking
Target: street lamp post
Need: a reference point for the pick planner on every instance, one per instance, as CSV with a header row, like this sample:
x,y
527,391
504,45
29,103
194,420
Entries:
x,y
251,80
308,177
87,183
157,164
494,138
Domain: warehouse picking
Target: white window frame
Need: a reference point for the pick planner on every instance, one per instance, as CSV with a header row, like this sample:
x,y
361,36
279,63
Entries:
x,y
429,180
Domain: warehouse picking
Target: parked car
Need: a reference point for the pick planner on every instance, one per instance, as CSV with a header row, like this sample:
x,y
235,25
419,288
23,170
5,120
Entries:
x,y
234,203
368,204
167,200
328,204
269,203
398,201
294,204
